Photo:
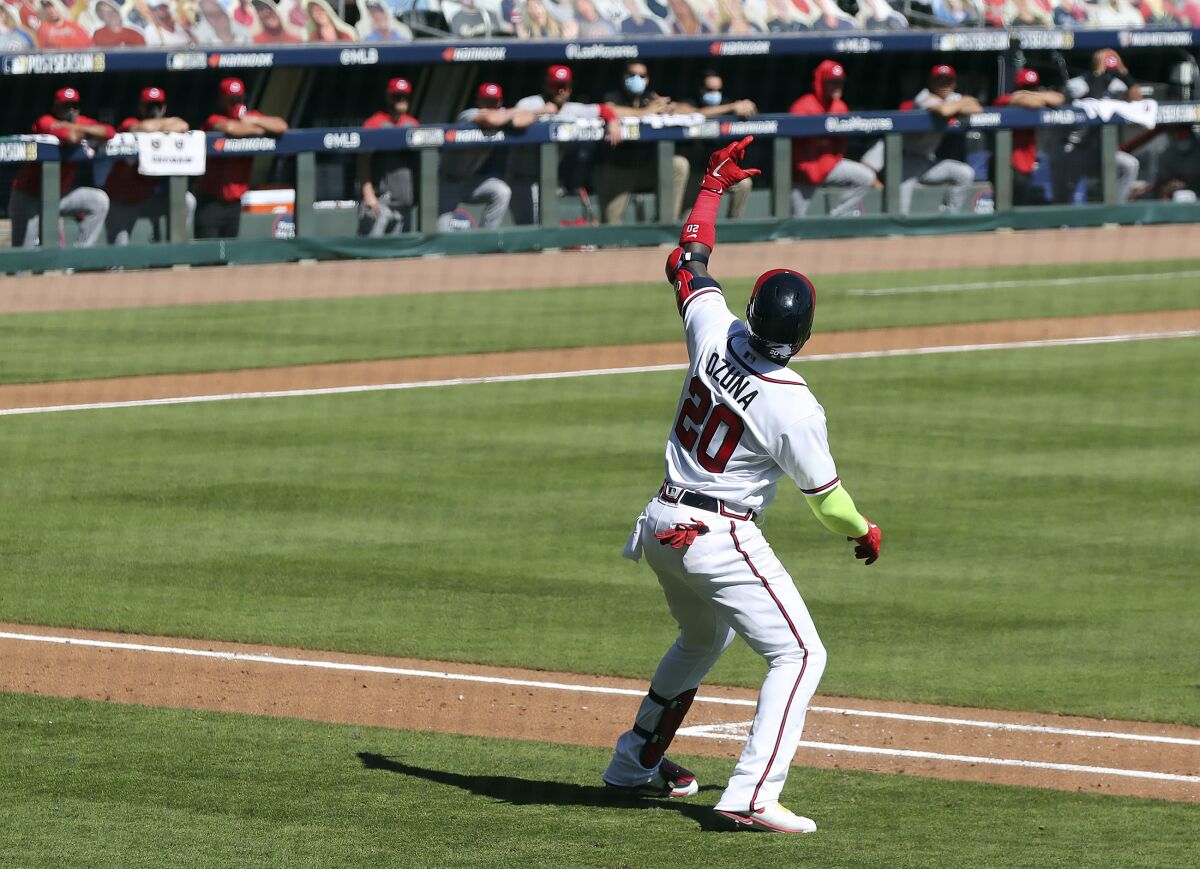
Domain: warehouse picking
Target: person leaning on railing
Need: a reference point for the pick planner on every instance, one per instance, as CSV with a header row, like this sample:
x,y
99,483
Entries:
x,y
713,103
464,174
1108,78
632,167
220,191
921,165
131,194
87,204
1028,94
553,103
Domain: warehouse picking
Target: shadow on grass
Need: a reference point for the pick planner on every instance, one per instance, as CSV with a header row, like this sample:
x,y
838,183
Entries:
x,y
532,792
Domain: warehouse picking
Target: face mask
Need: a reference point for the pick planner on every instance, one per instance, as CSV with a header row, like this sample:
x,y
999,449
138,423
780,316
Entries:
x,y
635,84
712,98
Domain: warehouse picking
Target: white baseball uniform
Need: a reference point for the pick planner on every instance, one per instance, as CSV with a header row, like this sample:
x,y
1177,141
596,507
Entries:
x,y
743,422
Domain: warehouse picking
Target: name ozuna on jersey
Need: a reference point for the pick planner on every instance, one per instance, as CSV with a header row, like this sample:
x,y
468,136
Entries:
x,y
730,380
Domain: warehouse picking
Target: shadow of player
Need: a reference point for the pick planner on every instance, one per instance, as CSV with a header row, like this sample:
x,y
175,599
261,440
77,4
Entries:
x,y
532,792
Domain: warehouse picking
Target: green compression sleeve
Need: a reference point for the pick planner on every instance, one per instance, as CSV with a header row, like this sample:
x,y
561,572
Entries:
x,y
836,511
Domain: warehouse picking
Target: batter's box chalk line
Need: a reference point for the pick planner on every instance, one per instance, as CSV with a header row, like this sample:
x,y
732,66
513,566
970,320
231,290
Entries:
x,y
739,730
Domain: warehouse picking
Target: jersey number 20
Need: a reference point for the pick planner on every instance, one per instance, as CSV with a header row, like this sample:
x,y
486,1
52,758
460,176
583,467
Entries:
x,y
705,422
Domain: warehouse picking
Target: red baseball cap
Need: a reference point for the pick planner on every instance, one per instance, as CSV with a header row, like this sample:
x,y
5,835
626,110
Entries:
x,y
153,95
837,71
1027,78
490,91
559,74
1111,61
942,70
399,86
232,87
66,95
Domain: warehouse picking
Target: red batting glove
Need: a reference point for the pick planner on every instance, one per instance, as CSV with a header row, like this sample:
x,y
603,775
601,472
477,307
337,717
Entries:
x,y
682,535
868,544
724,167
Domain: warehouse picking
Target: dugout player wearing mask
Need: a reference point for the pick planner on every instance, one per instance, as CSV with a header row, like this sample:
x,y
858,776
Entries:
x,y
1108,78
219,203
1028,94
632,167
821,161
745,421
132,194
87,204
386,177
713,103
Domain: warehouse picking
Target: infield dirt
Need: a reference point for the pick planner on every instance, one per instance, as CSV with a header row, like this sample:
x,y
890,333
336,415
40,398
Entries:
x,y
550,714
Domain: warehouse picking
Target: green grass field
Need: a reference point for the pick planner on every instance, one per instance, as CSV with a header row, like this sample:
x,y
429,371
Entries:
x,y
92,784
87,344
1037,508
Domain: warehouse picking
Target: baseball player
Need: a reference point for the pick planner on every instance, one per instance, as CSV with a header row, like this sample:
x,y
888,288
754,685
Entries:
x,y
386,177
921,164
88,204
744,421
132,195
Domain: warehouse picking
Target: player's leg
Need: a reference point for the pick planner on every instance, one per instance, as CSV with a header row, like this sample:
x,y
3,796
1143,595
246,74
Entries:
x,y
449,195
118,226
90,206
1127,172
956,175
23,214
613,187
703,636
739,198
495,194
760,601
681,170
524,203
802,195
858,181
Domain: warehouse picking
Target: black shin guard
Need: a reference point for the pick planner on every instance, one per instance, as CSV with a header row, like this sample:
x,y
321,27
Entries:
x,y
658,739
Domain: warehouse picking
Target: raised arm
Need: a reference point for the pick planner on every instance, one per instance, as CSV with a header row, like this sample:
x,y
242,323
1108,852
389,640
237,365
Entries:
x,y
699,234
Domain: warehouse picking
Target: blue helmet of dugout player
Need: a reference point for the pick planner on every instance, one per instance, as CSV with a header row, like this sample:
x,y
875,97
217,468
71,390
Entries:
x,y
780,313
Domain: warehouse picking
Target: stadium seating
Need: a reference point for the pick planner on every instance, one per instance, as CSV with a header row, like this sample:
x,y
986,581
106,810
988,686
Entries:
x,y
26,25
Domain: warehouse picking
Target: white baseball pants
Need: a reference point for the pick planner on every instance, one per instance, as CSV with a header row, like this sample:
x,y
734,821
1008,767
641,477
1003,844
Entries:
x,y
730,582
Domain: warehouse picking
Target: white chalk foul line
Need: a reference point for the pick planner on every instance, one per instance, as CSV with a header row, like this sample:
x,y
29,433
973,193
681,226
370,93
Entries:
x,y
591,372
738,731
1024,282
564,686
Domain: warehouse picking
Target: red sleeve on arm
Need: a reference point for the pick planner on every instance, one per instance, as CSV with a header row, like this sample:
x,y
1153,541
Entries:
x,y
376,120
109,132
1002,100
48,125
606,112
701,225
128,124
213,120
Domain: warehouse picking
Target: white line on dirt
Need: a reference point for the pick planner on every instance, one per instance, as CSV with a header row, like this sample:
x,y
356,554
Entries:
x,y
1026,282
739,731
564,686
592,372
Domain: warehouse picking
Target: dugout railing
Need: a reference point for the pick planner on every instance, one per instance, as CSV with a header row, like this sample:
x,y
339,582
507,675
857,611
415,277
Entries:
x,y
666,132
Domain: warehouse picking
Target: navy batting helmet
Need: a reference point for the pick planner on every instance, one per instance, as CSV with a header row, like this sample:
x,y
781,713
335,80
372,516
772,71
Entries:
x,y
780,313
